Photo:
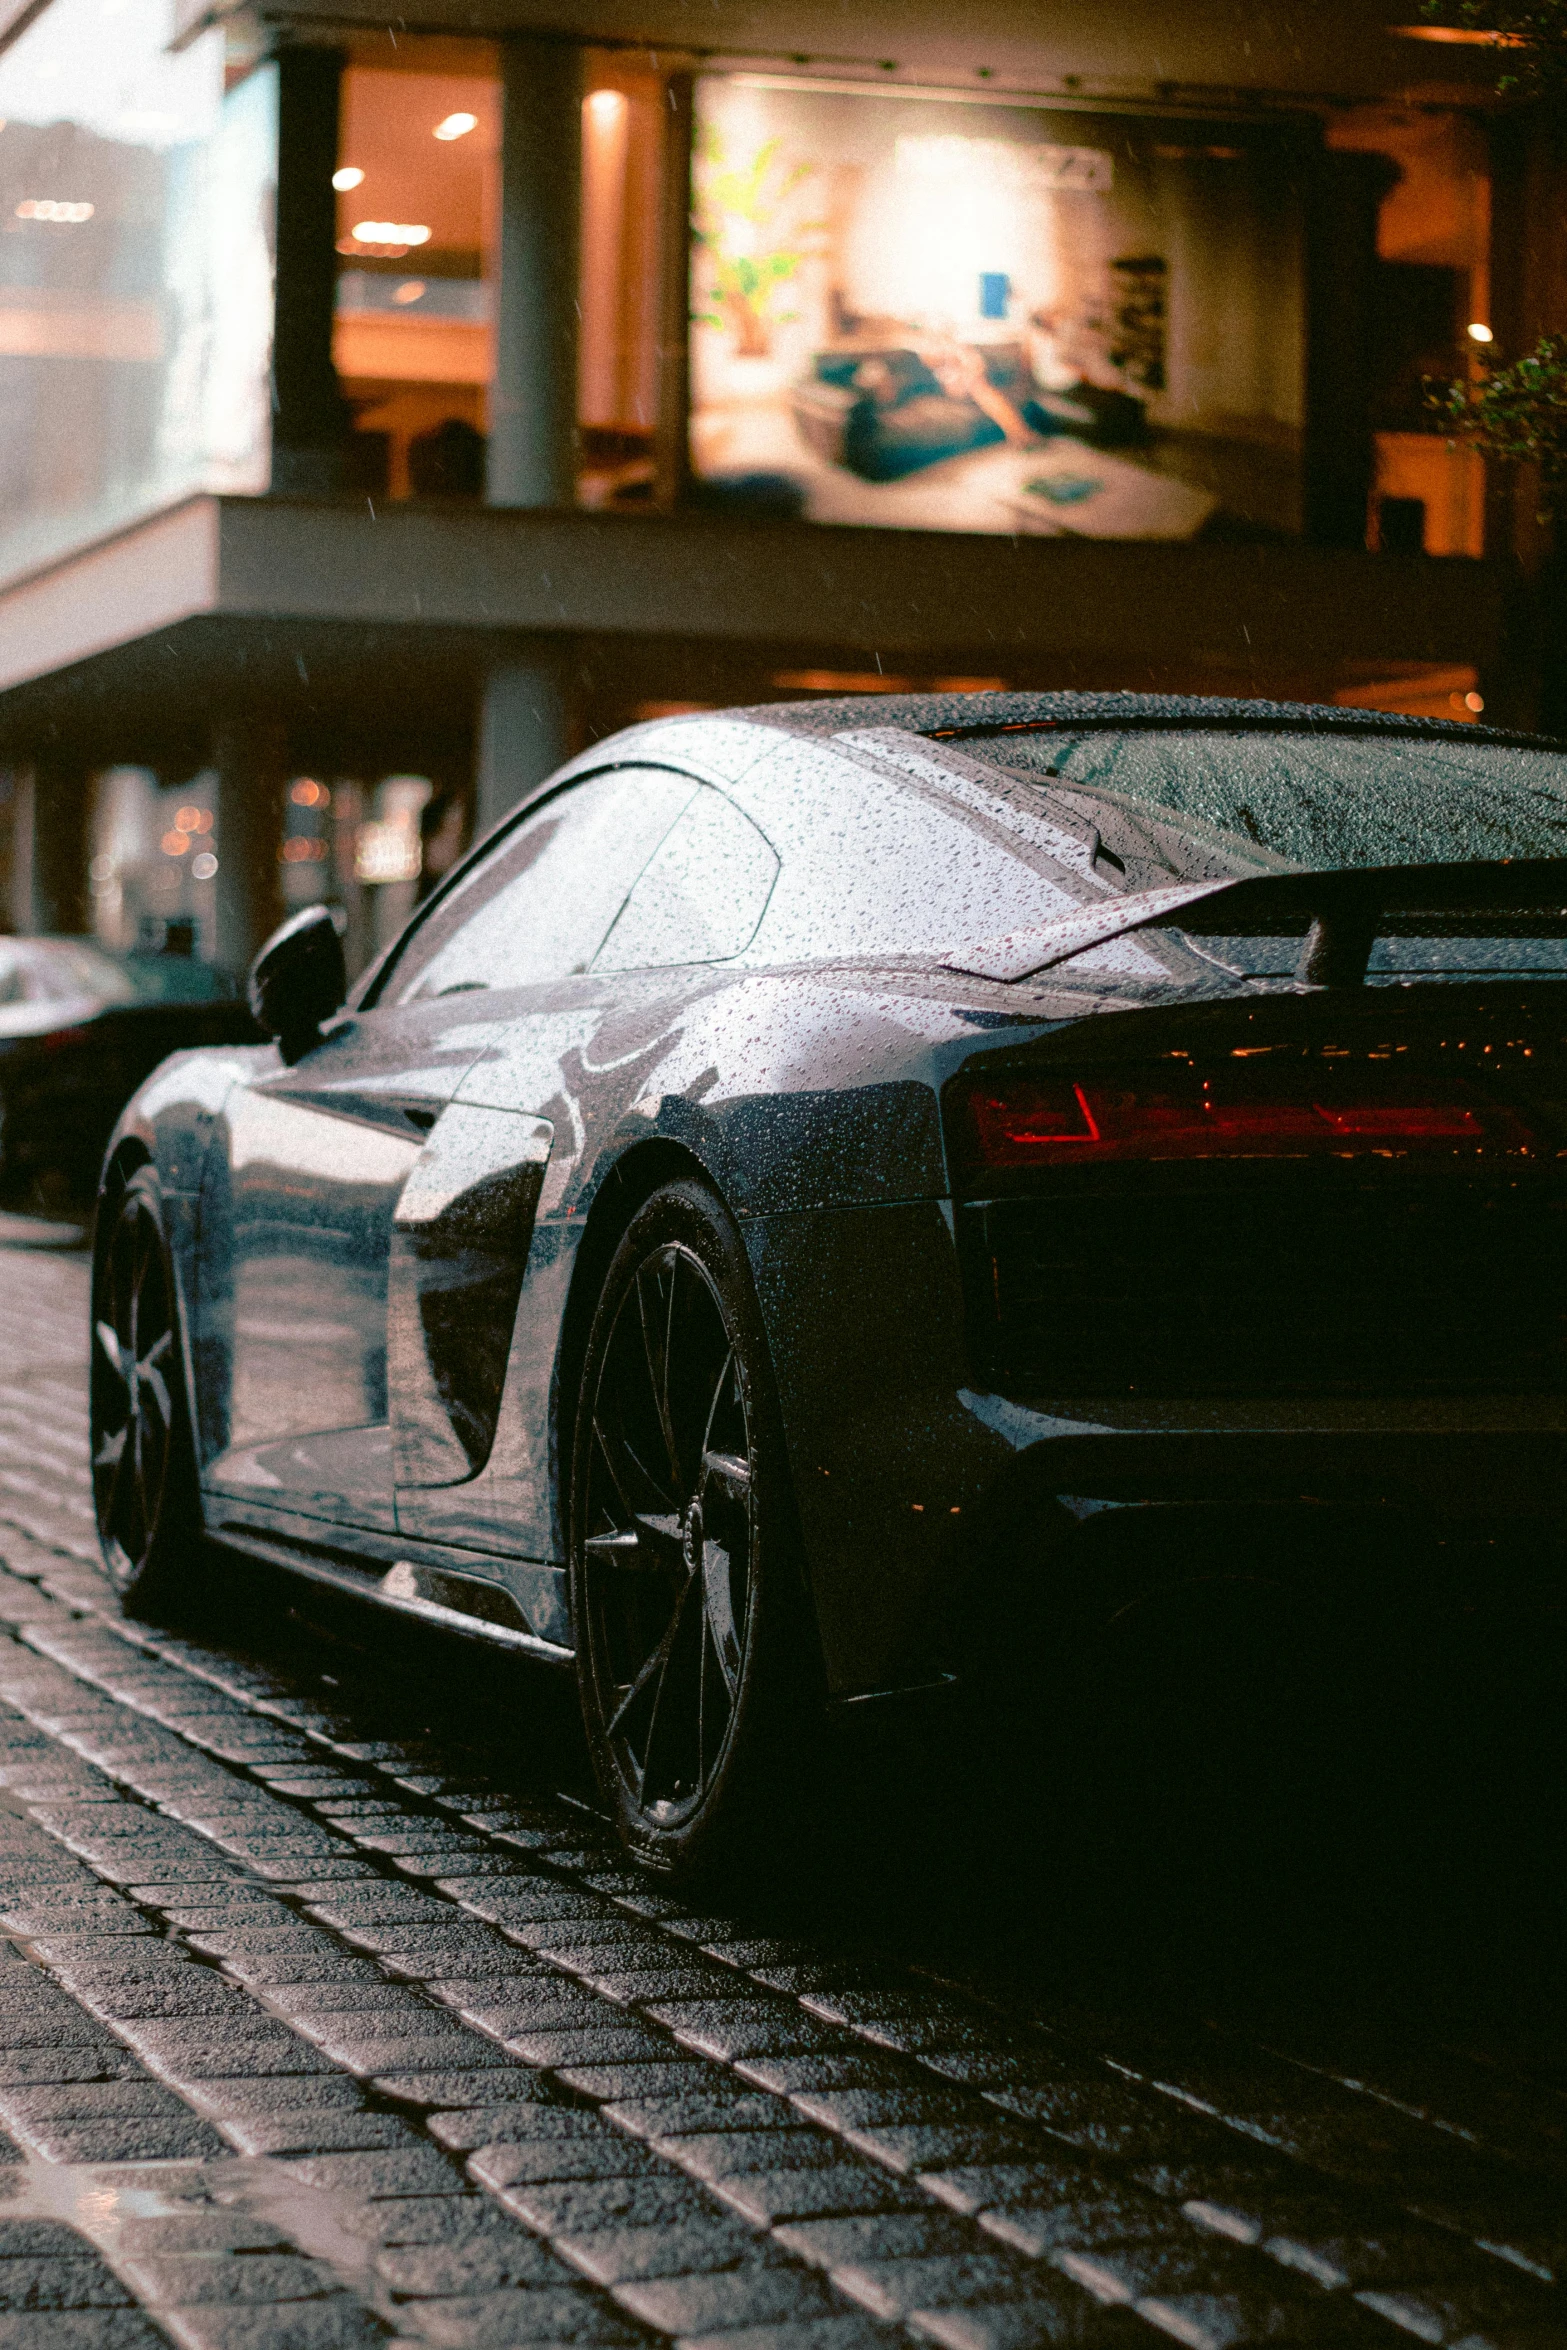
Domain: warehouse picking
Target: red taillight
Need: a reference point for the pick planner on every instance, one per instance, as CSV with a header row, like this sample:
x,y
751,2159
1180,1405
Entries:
x,y
1017,1122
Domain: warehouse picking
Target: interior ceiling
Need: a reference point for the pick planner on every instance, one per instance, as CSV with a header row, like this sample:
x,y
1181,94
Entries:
x,y
1145,48
388,133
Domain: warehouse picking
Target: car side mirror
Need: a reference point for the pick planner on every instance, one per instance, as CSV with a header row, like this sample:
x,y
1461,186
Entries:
x,y
298,980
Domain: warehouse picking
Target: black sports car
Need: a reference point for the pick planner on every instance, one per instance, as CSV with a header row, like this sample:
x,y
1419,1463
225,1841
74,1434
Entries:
x,y
818,1175
80,1028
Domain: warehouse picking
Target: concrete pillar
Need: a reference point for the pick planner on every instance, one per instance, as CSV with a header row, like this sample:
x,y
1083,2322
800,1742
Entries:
x,y
58,823
1341,293
533,406
310,419
251,761
672,445
524,733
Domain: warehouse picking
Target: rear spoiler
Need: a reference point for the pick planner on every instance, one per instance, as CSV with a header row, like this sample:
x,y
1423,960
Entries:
x,y
1340,912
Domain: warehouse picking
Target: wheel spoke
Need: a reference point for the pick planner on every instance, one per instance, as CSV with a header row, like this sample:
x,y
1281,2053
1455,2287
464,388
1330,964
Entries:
x,y
655,1352
674,1727
730,1474
114,1506
650,1545
157,1385
650,1670
716,1400
128,1490
718,1605
113,1446
109,1339
626,1471
615,1550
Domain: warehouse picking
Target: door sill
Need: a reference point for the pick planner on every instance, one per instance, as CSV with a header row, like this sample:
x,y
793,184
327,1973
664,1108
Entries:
x,y
408,1579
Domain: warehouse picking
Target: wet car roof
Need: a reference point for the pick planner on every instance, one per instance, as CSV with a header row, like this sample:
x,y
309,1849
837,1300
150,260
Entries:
x,y
956,715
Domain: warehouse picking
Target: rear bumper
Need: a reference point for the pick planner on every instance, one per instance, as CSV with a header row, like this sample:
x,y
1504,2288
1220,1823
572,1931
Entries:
x,y
935,1511
1485,1454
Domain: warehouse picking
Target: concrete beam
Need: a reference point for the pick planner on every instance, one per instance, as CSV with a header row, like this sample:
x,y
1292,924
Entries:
x,y
266,587
1158,49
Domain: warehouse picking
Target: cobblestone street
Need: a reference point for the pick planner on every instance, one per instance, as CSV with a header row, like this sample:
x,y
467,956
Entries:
x,y
331,2017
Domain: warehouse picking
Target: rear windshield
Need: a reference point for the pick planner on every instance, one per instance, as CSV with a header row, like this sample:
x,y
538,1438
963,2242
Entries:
x,y
1331,801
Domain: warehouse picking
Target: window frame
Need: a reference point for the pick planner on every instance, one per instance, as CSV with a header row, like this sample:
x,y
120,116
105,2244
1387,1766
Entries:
x,y
368,994
698,962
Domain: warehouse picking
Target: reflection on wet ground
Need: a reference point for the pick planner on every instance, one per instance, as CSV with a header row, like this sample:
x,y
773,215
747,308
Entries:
x,y
1217,1996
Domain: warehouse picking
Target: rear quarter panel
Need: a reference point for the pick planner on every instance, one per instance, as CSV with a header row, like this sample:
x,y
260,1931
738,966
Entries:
x,y
810,1097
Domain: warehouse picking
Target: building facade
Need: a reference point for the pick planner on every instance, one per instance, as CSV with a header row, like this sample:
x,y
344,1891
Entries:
x,y
385,412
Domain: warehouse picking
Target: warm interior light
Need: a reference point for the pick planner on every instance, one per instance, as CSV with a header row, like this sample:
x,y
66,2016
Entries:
x,y
307,793
1479,332
1458,35
347,176
840,681
193,820
391,232
48,208
604,105
412,289
457,126
174,844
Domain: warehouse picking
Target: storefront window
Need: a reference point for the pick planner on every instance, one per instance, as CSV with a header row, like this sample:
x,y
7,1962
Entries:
x,y
948,315
418,184
417,190
1433,311
136,205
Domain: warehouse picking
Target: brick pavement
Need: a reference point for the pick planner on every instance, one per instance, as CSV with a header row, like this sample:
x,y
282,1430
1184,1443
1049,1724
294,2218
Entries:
x,y
322,2027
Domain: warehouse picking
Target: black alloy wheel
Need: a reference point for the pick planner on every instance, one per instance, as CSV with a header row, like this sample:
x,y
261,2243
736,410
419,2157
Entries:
x,y
685,1588
142,1458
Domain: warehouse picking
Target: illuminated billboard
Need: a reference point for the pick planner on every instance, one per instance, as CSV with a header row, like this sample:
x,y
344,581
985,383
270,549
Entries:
x,y
924,311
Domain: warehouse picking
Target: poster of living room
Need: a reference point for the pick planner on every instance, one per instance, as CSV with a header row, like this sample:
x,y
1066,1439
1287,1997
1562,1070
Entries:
x,y
928,311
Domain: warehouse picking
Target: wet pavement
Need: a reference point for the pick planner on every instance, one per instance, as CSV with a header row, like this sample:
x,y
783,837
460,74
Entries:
x,y
329,2014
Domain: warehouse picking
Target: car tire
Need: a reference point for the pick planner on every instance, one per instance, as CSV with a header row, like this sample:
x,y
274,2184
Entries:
x,y
145,1494
697,1665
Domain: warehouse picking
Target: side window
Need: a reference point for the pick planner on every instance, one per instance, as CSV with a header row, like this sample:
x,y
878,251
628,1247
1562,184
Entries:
x,y
701,895
539,905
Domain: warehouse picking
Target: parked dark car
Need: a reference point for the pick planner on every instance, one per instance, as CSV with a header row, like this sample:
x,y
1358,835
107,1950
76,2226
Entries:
x,y
818,1178
80,1028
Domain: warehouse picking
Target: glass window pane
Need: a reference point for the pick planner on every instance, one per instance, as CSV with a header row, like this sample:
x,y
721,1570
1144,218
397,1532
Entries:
x,y
417,204
702,895
1029,319
1317,799
538,908
135,274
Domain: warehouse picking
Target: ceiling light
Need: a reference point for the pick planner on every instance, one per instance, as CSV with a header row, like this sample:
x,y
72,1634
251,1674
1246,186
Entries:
x,y
1479,333
45,208
391,232
1458,35
457,126
349,176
